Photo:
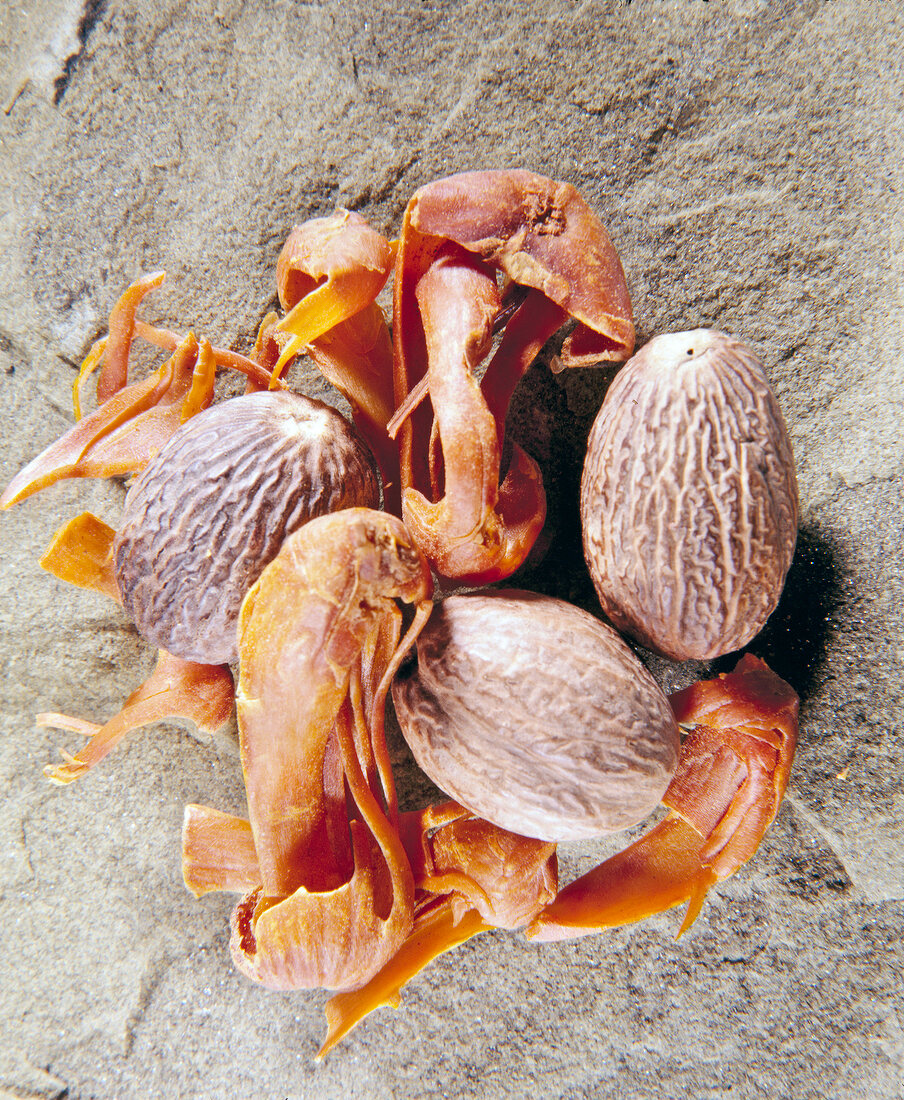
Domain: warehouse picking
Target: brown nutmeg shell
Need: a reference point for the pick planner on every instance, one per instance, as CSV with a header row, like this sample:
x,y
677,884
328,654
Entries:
x,y
215,505
536,716
689,500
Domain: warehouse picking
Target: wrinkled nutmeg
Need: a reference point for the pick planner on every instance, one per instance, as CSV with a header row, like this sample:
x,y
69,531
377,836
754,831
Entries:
x,y
213,508
536,716
689,497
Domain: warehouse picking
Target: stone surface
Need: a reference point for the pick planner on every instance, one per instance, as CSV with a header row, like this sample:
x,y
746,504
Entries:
x,y
747,158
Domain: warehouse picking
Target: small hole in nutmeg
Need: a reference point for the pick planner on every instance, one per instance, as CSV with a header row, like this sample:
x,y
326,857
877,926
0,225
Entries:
x,y
690,351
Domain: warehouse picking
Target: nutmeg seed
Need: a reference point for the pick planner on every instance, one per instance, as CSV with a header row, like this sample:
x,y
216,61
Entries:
x,y
536,716
215,505
689,497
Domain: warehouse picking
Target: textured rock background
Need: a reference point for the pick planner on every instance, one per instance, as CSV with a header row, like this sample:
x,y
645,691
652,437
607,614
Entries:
x,y
747,157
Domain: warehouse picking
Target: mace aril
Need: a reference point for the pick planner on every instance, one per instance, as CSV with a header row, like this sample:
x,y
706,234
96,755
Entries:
x,y
340,889
473,520
533,714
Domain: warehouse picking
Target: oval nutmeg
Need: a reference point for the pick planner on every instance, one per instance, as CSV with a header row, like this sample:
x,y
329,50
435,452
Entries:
x,y
536,716
689,501
215,505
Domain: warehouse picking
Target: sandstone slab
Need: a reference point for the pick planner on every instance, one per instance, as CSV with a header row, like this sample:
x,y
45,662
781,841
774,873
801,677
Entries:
x,y
747,158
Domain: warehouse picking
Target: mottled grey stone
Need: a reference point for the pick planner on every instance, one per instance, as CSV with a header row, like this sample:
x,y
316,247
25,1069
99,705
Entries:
x,y
748,159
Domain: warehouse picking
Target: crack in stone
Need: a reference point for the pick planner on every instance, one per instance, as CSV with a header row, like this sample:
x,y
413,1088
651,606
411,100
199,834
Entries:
x,y
20,1079
740,200
91,15
11,351
153,975
831,841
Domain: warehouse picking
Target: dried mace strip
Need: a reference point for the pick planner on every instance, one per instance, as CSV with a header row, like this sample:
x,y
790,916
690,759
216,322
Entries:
x,y
730,781
537,717
329,890
689,497
215,505
475,520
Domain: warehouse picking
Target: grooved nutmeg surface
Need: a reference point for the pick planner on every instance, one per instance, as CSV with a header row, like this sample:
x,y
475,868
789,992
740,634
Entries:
x,y
213,508
536,716
689,497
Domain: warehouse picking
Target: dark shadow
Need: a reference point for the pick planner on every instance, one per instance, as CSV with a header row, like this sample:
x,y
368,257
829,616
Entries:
x,y
92,14
795,639
551,417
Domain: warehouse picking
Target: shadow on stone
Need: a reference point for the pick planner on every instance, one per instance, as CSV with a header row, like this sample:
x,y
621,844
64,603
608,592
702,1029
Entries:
x,y
550,417
794,641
